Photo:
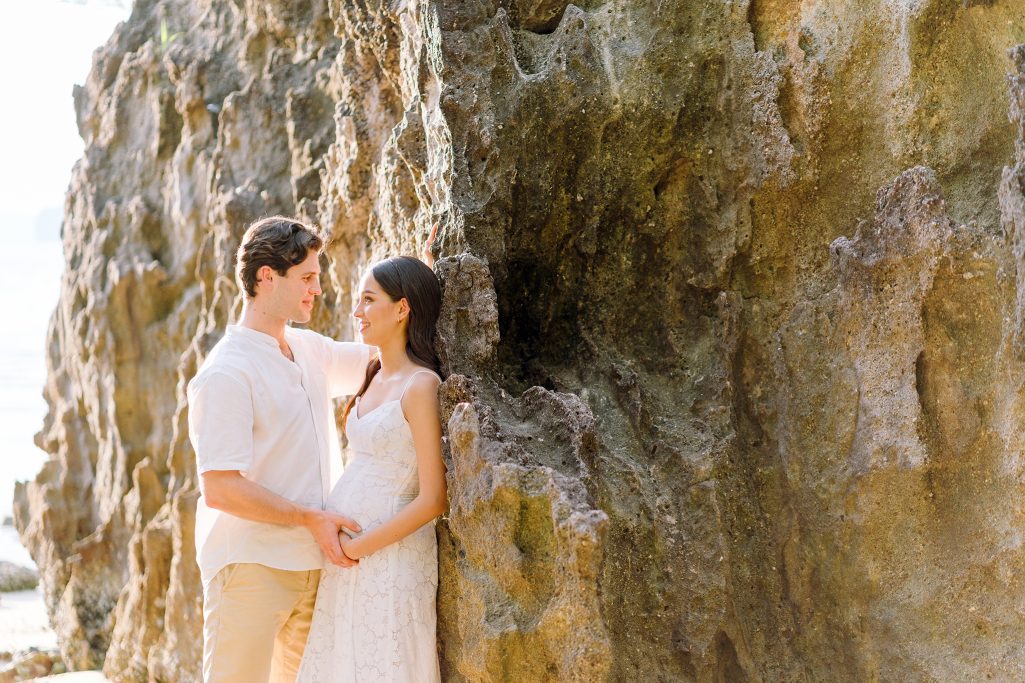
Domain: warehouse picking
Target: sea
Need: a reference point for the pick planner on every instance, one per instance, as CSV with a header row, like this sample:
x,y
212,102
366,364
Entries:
x,y
30,273
40,142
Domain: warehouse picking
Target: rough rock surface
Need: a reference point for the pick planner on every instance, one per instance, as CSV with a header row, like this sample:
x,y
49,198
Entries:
x,y
733,321
31,666
14,577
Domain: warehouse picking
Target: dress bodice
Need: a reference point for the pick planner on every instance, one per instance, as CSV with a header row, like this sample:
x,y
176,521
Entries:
x,y
382,448
381,475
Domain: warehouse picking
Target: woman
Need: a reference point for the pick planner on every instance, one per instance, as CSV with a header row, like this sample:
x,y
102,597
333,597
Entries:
x,y
376,621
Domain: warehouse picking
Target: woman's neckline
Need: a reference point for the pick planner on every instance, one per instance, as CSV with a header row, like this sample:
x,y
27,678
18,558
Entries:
x,y
374,410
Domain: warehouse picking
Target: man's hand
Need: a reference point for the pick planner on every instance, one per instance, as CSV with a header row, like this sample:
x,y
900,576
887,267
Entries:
x,y
325,527
428,257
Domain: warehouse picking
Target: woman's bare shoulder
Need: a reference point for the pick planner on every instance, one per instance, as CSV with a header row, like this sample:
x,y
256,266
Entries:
x,y
422,390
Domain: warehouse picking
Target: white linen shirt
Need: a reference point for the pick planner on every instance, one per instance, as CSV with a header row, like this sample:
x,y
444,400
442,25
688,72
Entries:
x,y
253,410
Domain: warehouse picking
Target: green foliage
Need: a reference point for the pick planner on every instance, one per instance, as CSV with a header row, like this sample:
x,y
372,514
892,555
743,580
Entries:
x,y
166,38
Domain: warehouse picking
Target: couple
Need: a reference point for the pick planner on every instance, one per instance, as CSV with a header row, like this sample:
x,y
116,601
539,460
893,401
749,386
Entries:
x,y
262,423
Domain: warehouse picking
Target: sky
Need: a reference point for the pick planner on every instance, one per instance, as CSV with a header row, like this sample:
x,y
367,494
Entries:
x,y
47,50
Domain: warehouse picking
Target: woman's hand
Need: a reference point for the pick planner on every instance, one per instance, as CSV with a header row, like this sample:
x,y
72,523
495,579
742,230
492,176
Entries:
x,y
348,547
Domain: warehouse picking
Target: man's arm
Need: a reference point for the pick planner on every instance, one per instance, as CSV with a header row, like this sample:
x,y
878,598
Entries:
x,y
229,491
428,254
344,364
221,431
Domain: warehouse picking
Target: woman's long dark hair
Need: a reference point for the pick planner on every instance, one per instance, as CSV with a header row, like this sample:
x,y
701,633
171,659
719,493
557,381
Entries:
x,y
405,277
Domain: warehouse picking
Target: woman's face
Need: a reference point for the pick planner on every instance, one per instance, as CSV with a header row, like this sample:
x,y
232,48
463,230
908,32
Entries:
x,y
380,318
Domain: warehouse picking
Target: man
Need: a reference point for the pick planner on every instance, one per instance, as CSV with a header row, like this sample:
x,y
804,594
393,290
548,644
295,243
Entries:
x,y
262,424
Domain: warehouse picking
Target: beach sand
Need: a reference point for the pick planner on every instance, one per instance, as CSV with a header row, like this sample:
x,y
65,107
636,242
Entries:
x,y
23,622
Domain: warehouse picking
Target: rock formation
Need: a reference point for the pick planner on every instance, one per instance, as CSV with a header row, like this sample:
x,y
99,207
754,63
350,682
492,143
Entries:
x,y
732,326
14,577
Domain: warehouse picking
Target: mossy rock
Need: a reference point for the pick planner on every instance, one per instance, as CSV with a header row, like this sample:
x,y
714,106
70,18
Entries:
x,y
14,577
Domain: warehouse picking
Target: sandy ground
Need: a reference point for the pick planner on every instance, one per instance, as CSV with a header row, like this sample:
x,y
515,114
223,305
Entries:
x,y
23,625
23,622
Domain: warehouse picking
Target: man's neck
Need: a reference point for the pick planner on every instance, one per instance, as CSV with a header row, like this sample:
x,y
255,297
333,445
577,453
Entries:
x,y
255,318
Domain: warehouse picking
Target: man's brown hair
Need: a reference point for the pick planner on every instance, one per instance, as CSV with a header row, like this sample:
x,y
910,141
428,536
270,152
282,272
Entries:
x,y
278,242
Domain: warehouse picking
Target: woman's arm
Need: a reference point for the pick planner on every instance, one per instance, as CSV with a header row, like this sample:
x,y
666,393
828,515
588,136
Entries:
x,y
420,406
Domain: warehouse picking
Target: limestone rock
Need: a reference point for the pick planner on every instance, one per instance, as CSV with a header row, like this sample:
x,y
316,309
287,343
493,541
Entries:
x,y
14,577
732,324
30,666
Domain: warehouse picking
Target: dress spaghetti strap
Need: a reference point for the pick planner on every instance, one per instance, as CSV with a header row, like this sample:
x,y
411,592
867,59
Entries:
x,y
410,380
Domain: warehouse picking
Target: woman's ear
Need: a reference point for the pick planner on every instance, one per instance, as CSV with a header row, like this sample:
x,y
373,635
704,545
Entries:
x,y
403,309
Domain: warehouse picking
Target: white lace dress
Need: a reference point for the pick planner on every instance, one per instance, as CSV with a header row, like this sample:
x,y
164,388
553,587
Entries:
x,y
377,621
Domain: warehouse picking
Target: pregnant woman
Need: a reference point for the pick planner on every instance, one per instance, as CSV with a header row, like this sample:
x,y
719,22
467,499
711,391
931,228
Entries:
x,y
377,621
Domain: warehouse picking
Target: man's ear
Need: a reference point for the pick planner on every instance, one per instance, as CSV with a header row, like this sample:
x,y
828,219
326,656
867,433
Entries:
x,y
265,275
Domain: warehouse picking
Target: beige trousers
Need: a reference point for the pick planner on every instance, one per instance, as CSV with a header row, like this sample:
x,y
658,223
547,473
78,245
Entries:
x,y
255,623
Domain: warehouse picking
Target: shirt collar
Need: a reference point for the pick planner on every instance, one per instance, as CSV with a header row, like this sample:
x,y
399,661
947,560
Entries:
x,y
254,335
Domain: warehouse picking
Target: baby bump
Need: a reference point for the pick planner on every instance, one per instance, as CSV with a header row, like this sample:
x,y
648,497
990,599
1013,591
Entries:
x,y
366,496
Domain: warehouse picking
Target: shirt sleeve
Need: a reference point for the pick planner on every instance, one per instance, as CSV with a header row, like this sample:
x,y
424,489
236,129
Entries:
x,y
221,423
345,366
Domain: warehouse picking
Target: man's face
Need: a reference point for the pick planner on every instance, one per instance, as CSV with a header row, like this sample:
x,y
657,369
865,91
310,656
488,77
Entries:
x,y
291,296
